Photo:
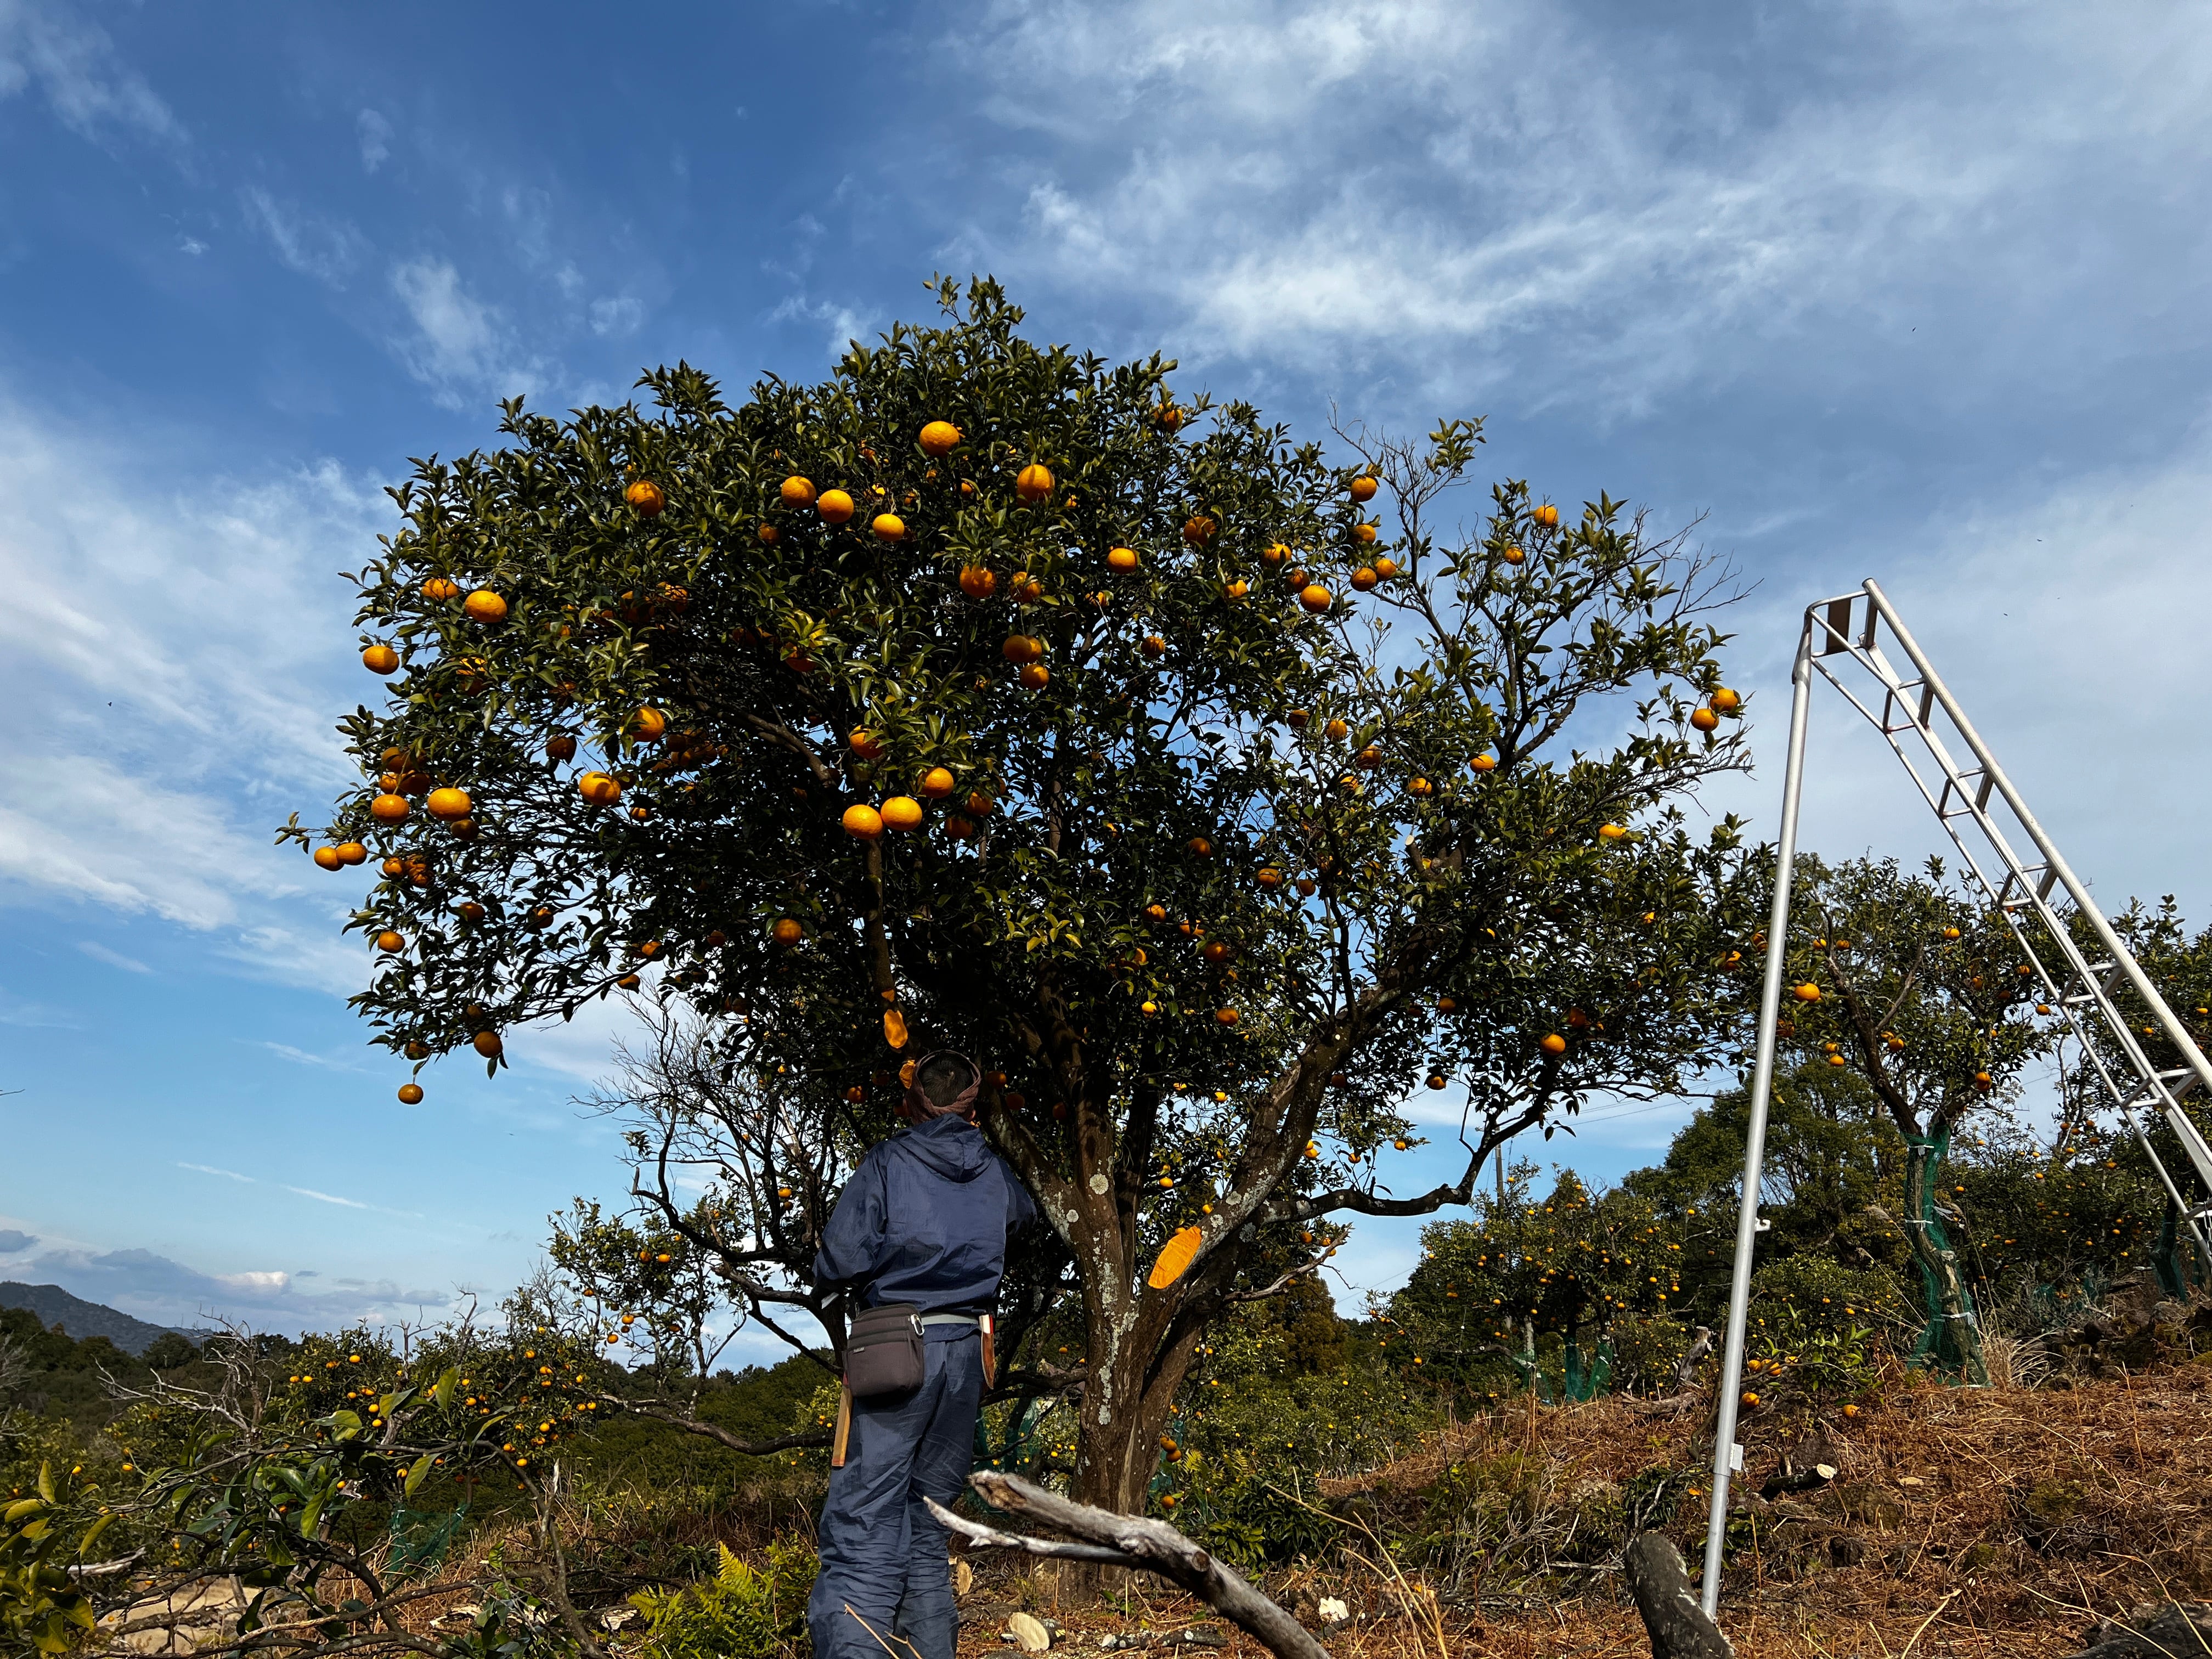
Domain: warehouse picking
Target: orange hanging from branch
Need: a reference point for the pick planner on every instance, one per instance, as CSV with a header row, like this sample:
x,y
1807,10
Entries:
x,y
1174,1258
895,1028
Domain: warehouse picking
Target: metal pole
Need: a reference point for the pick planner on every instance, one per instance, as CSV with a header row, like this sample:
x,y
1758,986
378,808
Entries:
x,y
1754,1143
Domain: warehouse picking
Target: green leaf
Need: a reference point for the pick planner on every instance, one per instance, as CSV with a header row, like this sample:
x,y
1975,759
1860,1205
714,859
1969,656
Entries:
x,y
415,1471
441,1391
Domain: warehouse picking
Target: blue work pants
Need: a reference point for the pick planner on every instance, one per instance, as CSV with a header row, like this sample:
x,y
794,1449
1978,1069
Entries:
x,y
883,1555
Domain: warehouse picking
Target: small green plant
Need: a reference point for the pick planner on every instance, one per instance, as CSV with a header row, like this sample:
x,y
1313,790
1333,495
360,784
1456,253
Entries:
x,y
743,1611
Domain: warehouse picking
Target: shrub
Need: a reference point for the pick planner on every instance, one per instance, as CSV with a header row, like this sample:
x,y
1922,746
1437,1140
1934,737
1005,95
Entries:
x,y
743,1611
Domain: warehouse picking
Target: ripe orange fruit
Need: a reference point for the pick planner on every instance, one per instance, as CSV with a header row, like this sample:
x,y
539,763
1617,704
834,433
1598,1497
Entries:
x,y
380,660
1750,1399
1362,489
328,858
978,582
1275,553
438,588
1022,648
1984,1081
1034,676
1035,483
1446,1004
888,526
1703,719
645,495
1167,417
1364,579
1484,763
352,851
471,912
863,822
395,868
1296,719
1420,787
1270,878
389,809
978,803
561,747
767,533
1950,933
902,812
1386,568
1610,831
410,1094
1435,1080
485,606
1554,1045
1226,1016
1198,528
787,931
1314,597
599,788
1174,1258
1200,847
1237,590
960,828
940,438
797,492
1510,554
1807,993
1337,729
1726,700
488,1044
390,943
835,507
1122,558
1154,646
1547,516
447,805
864,744
1851,1411
1363,533
936,783
1368,759
1306,886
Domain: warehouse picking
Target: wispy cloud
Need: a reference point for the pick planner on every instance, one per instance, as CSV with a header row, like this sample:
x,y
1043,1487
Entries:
x,y
99,952
374,134
301,1057
460,346
90,89
329,249
209,1169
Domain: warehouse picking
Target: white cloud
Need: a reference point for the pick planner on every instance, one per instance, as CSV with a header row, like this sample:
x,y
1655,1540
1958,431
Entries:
x,y
1475,194
329,249
89,89
209,1169
177,647
374,133
618,315
842,325
460,346
99,952
153,1287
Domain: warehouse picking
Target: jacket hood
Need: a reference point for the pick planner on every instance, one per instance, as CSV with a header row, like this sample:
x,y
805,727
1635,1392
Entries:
x,y
949,1146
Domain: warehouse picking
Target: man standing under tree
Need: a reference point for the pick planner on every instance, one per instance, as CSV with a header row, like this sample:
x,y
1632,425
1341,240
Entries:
x,y
921,1228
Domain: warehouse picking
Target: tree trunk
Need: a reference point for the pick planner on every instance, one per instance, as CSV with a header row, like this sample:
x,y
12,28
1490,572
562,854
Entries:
x,y
1952,1341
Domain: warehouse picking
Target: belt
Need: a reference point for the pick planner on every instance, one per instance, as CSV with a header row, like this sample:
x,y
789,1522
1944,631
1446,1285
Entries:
x,y
949,1319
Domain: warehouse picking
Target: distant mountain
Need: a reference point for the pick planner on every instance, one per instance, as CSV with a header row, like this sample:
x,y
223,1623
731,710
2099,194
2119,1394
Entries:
x,y
81,1318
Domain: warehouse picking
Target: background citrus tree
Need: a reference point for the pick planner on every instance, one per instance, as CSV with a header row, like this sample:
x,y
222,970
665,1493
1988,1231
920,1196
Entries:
x,y
986,696
1923,994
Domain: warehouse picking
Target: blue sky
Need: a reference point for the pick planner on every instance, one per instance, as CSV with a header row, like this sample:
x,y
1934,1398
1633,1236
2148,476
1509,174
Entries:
x,y
1906,291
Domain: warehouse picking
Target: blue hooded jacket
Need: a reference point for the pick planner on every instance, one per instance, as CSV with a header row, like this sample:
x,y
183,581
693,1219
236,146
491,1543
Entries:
x,y
925,1220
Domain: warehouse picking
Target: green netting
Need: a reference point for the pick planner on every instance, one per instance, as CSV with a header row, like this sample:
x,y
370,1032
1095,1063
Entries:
x,y
1588,1377
1951,1343
420,1538
2179,1272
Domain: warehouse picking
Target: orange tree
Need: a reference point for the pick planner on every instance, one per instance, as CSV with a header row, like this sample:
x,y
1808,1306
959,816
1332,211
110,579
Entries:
x,y
986,695
1925,993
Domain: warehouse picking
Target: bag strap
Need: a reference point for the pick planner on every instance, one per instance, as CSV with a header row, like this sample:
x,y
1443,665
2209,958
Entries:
x,y
844,1424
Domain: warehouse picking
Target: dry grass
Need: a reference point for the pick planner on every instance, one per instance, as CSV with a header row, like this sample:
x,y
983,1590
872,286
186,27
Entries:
x,y
1984,1522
